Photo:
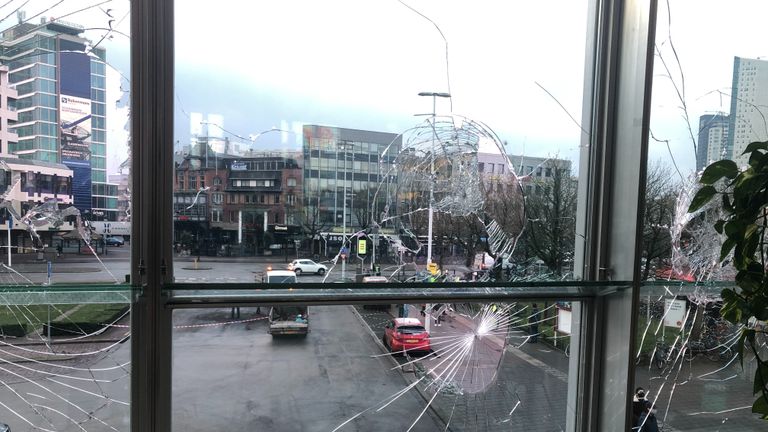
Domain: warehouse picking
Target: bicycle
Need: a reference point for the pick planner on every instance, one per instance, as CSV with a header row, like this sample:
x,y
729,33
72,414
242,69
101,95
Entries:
x,y
660,355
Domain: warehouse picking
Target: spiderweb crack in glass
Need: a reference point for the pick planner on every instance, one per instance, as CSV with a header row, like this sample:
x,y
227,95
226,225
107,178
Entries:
x,y
76,380
441,155
464,363
686,345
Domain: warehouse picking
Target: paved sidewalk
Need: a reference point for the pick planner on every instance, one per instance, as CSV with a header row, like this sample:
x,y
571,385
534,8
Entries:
x,y
454,333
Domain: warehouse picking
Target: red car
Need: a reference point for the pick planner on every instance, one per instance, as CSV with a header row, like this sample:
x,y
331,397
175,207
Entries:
x,y
406,334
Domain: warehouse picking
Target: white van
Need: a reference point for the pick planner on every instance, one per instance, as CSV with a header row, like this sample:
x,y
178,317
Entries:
x,y
281,276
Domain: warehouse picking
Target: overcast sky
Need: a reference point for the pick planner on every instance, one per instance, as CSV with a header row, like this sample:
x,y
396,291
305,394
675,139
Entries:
x,y
360,64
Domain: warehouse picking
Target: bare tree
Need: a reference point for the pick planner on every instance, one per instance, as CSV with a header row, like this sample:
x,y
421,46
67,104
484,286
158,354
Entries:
x,y
660,197
361,205
465,232
312,224
551,208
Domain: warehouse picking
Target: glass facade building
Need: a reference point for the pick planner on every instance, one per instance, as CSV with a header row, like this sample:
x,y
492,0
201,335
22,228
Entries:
x,y
343,170
61,84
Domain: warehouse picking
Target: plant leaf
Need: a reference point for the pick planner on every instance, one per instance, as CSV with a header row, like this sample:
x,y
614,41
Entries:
x,y
719,225
760,311
761,407
740,347
761,377
727,203
746,187
748,281
718,170
750,231
728,245
733,304
702,197
757,145
735,228
756,159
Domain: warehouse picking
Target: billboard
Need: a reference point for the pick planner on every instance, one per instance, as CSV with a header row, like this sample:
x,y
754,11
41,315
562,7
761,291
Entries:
x,y
75,118
75,122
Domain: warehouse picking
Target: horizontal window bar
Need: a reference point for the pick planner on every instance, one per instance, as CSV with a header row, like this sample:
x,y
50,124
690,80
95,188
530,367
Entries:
x,y
355,294
554,285
78,287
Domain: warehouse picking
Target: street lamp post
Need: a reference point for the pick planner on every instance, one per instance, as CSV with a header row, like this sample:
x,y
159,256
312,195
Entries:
x,y
434,96
344,147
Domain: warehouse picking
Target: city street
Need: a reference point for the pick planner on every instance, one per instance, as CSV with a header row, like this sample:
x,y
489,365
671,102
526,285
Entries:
x,y
227,376
239,378
73,268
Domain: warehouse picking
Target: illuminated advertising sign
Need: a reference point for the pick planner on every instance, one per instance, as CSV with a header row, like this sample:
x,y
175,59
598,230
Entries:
x,y
75,118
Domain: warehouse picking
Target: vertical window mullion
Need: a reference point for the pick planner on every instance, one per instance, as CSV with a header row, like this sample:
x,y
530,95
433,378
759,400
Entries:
x,y
609,215
152,73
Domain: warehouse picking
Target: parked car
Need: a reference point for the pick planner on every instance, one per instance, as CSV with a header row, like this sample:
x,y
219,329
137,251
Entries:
x,y
306,266
406,334
114,241
4,428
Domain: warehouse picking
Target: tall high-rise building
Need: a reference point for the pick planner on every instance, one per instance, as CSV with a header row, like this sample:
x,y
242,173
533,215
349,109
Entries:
x,y
749,97
8,115
61,85
713,139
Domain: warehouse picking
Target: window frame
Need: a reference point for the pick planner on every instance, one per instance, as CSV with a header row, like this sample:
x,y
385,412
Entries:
x,y
619,62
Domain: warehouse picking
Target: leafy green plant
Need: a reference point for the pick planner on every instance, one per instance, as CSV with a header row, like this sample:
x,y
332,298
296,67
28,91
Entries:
x,y
744,194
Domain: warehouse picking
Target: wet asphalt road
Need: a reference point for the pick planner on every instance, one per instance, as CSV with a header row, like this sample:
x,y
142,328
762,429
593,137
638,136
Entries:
x,y
238,378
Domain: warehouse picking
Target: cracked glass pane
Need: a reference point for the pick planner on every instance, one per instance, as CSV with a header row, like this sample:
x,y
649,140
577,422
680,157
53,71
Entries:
x,y
64,207
481,367
705,108
401,142
409,155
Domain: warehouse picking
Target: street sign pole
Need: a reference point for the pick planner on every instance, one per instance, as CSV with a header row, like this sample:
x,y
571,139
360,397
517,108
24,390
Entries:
x,y
10,225
343,254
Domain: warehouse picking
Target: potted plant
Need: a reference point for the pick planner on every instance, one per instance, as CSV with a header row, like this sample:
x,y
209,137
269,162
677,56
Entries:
x,y
744,195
